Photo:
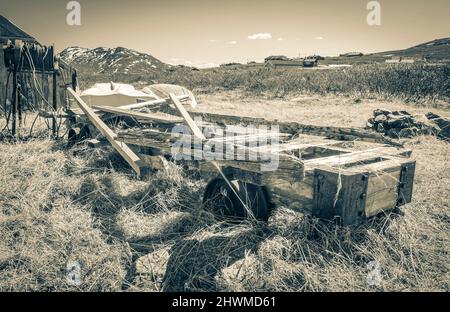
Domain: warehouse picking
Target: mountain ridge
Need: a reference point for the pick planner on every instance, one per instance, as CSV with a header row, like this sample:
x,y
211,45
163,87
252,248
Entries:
x,y
117,60
121,60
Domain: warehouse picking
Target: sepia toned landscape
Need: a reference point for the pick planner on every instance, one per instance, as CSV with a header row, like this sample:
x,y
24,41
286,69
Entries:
x,y
95,186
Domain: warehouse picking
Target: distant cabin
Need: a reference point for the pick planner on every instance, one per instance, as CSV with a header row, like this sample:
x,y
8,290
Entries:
x,y
281,61
277,58
352,54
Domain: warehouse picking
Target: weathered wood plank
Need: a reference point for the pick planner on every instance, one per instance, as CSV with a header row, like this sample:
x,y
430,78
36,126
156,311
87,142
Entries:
x,y
98,123
382,188
190,122
287,170
340,196
357,157
133,160
154,103
159,117
382,192
340,133
383,184
405,188
170,137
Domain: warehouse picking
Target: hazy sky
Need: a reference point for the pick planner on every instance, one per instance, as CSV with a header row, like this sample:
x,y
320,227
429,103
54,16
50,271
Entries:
x,y
210,31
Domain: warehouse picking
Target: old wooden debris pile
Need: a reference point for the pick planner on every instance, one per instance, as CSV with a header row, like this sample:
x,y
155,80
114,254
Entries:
x,y
341,174
399,124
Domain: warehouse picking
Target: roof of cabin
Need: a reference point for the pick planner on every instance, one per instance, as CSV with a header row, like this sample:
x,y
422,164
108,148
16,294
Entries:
x,y
9,30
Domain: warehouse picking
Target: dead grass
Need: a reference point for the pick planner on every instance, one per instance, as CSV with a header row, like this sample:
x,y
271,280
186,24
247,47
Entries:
x,y
414,83
309,108
60,205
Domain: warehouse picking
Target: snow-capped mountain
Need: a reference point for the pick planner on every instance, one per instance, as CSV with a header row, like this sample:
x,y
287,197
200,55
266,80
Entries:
x,y
112,61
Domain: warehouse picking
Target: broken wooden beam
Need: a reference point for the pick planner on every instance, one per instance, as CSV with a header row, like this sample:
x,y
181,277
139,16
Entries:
x,y
154,134
153,103
340,133
189,121
357,157
158,117
133,160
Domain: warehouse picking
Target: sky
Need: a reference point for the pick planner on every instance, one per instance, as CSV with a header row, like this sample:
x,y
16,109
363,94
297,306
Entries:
x,y
209,32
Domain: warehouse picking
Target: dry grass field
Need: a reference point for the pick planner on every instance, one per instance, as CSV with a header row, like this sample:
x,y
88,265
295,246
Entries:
x,y
415,83
81,204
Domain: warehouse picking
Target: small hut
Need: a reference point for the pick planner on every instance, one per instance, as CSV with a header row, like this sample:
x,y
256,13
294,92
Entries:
x,y
31,78
9,32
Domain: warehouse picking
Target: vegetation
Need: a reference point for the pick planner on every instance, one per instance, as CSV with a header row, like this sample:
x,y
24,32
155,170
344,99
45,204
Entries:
x,y
417,82
60,205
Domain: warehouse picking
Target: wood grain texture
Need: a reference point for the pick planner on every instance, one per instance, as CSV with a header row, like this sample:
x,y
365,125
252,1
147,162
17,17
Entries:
x,y
133,160
158,117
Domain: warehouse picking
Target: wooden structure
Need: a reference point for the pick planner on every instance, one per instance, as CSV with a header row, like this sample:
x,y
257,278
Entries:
x,y
30,78
334,173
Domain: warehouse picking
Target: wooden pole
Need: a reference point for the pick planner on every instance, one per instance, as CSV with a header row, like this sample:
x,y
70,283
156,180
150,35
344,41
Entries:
x,y
133,160
55,104
14,103
19,103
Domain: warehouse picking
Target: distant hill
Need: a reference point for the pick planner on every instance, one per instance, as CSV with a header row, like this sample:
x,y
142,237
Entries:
x,y
125,64
438,49
113,61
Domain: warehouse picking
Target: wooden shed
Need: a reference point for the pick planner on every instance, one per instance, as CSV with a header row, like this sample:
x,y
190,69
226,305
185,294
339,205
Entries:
x,y
9,32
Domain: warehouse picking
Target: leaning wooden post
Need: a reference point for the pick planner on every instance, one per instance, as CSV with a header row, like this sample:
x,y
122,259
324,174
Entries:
x,y
54,103
133,160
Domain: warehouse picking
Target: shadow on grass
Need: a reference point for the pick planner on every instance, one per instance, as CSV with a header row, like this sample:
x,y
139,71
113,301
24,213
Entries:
x,y
193,262
201,246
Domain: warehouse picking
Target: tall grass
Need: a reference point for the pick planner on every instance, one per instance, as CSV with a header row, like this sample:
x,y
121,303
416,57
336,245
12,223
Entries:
x,y
412,82
84,205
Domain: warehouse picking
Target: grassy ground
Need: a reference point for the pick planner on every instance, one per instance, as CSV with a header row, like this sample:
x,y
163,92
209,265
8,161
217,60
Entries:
x,y
60,205
416,83
309,108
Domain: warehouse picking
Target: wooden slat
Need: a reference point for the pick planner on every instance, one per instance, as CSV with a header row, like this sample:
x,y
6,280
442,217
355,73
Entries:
x,y
152,103
190,122
382,192
154,134
339,197
382,188
356,157
133,160
159,117
339,133
98,123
